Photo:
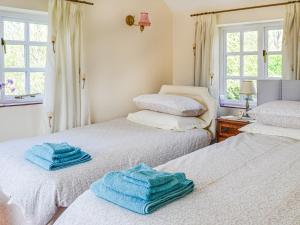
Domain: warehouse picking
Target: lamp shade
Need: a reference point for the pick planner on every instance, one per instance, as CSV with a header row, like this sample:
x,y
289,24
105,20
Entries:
x,y
144,20
248,88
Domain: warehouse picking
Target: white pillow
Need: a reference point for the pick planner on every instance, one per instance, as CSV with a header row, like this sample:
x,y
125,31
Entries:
x,y
165,121
257,128
278,113
171,104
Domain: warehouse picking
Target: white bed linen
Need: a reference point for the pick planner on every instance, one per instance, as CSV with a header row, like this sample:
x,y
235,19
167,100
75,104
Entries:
x,y
247,180
113,145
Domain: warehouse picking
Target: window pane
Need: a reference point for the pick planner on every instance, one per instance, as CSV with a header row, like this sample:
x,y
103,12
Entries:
x,y
275,65
233,42
18,84
14,58
233,66
14,31
251,41
275,40
38,56
250,65
38,32
233,89
37,83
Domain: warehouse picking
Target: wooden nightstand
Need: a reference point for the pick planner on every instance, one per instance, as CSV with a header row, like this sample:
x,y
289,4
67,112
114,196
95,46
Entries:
x,y
229,127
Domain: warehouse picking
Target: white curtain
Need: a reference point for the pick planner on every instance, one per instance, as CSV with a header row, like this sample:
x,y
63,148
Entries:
x,y
204,39
291,42
66,101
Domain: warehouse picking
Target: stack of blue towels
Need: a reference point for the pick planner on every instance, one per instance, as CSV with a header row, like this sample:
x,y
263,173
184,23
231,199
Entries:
x,y
142,189
56,156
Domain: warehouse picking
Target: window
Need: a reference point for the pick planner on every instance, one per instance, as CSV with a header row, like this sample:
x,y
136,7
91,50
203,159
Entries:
x,y
250,52
22,57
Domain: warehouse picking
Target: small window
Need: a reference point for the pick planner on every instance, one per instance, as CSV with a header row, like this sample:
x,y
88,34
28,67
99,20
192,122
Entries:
x,y
250,52
23,57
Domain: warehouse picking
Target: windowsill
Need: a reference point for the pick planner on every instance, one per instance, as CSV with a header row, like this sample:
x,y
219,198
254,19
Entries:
x,y
14,103
232,106
236,104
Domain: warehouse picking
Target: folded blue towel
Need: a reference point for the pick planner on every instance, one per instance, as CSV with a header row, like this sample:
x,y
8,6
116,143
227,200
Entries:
x,y
44,152
60,158
144,175
58,148
116,182
139,205
49,165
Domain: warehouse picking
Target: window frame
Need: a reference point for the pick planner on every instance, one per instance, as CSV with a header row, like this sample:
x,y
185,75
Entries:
x,y
262,73
27,17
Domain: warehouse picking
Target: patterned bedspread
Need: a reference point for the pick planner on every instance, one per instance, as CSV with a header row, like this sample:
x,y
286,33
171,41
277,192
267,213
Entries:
x,y
246,180
113,145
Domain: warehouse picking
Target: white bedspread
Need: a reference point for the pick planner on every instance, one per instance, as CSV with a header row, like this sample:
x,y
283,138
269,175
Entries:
x,y
113,145
246,180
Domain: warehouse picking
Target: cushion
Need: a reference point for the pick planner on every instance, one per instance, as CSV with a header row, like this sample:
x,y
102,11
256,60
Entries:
x,y
278,113
165,121
200,94
257,128
170,104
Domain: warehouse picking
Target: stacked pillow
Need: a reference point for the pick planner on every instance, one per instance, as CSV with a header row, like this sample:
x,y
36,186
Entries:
x,y
278,113
280,118
170,112
170,104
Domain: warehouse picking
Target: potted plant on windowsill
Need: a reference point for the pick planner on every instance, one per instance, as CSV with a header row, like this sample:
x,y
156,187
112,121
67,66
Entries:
x,y
9,84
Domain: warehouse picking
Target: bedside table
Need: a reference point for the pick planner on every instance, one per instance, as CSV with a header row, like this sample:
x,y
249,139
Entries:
x,y
229,127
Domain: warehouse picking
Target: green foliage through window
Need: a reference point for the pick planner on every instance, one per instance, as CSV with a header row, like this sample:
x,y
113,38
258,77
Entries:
x,y
25,57
233,89
243,48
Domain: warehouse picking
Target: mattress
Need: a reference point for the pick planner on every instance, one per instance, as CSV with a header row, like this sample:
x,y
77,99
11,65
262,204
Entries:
x,y
248,179
113,145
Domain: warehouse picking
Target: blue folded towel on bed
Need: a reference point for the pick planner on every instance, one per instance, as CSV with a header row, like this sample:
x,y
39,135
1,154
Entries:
x,y
145,200
56,156
116,181
60,148
146,176
44,152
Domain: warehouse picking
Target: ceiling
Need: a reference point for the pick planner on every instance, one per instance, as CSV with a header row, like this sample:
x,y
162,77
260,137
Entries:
x,y
204,5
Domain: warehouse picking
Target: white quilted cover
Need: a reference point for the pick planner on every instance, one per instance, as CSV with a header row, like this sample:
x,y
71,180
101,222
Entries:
x,y
246,180
113,145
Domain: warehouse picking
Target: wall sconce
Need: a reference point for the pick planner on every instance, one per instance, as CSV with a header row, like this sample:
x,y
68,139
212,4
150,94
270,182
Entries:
x,y
143,22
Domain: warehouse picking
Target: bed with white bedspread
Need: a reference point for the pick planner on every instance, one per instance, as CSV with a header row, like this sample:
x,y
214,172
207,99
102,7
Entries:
x,y
113,145
41,195
246,180
250,179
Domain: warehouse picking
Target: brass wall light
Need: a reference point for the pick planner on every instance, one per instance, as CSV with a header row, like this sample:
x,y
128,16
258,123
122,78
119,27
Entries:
x,y
143,22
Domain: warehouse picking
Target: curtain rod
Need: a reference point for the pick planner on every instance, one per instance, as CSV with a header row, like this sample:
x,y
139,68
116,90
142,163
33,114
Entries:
x,y
245,8
83,2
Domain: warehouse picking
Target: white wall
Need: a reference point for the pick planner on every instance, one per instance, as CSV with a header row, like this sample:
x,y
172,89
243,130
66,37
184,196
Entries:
x,y
122,61
20,121
213,5
40,5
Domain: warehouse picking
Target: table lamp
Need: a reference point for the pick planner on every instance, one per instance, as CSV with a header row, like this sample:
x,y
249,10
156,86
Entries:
x,y
248,90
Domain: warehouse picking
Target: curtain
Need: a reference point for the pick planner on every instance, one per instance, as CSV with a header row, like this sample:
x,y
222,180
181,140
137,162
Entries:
x,y
204,39
66,101
291,42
